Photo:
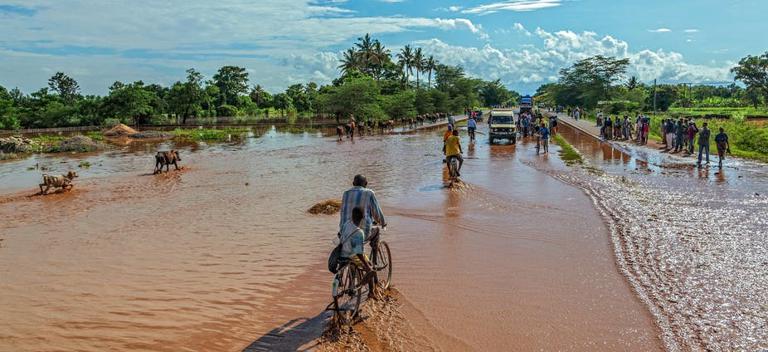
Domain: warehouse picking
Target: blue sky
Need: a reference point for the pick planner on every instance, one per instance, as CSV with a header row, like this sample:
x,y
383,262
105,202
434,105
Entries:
x,y
522,42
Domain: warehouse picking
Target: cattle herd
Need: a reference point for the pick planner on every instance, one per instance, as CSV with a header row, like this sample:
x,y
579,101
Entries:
x,y
352,128
64,182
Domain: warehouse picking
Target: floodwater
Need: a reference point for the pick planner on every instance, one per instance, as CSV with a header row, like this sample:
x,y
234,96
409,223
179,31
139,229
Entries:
x,y
693,243
223,253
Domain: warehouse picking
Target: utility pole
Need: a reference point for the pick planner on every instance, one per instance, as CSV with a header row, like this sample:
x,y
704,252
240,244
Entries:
x,y
654,97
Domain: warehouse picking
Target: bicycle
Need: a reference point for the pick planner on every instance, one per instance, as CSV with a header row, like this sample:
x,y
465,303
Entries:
x,y
349,282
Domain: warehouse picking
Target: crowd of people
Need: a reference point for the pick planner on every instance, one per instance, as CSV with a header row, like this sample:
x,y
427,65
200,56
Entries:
x,y
677,136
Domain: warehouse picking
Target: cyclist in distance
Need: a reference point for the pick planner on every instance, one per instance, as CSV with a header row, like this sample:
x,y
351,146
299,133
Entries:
x,y
453,150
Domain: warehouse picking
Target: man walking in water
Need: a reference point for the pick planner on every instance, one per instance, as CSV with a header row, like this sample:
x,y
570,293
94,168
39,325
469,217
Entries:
x,y
722,147
703,143
544,135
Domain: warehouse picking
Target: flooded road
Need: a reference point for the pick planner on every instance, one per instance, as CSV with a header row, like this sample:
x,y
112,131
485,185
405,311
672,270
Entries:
x,y
223,253
693,243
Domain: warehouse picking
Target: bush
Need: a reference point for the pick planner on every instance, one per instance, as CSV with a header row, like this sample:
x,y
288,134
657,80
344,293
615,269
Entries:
x,y
110,122
227,110
9,122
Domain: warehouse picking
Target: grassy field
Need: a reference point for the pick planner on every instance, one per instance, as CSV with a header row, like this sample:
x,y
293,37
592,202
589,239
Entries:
x,y
735,113
207,134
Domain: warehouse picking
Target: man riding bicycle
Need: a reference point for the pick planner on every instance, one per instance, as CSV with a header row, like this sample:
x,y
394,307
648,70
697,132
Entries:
x,y
471,127
453,150
359,196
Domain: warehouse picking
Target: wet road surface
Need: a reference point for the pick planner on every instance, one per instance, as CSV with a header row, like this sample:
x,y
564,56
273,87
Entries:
x,y
516,258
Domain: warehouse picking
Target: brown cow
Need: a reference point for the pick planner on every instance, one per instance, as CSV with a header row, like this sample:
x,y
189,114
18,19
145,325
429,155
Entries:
x,y
61,181
166,159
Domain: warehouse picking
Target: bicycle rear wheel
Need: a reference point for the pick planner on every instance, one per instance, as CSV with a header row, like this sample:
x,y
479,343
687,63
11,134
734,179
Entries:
x,y
382,263
349,295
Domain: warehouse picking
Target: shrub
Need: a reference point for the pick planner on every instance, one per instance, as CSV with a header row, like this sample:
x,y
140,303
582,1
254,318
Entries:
x,y
227,110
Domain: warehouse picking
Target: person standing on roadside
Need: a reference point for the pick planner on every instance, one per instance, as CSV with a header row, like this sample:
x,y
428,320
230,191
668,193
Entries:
x,y
703,143
721,139
679,133
577,114
670,130
692,131
544,135
608,124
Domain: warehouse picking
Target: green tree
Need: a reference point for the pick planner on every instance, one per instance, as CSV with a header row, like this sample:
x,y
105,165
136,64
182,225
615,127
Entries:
x,y
231,81
494,93
358,96
299,97
8,119
429,66
66,87
283,102
186,99
632,83
405,60
592,78
132,101
399,105
753,71
418,64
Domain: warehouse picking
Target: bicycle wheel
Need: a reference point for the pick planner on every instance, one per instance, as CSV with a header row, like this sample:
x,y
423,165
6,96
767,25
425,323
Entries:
x,y
382,263
349,295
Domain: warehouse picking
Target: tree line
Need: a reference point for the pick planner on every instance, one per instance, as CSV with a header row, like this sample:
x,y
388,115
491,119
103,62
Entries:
x,y
374,84
600,82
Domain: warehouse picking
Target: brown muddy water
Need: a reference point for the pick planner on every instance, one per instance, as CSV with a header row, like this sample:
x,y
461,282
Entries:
x,y
223,254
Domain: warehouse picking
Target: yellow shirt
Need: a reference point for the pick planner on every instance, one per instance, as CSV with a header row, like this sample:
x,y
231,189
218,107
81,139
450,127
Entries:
x,y
452,146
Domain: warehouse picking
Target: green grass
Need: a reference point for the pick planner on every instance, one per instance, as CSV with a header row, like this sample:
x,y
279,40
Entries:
x,y
734,112
208,134
84,164
567,152
95,135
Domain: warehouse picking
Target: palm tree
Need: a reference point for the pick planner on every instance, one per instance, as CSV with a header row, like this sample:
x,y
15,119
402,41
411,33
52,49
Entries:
x,y
405,59
429,66
350,61
418,64
257,95
379,57
365,51
632,83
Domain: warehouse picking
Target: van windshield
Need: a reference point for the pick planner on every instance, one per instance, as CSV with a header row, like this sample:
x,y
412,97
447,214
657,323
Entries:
x,y
503,120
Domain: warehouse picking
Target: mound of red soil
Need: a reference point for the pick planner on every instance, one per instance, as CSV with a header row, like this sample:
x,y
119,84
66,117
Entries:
x,y
120,130
326,207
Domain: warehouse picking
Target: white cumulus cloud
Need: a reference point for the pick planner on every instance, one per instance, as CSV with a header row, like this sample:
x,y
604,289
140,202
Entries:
x,y
512,5
529,67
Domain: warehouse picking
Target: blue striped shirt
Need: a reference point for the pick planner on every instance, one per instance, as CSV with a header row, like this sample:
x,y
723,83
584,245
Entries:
x,y
364,198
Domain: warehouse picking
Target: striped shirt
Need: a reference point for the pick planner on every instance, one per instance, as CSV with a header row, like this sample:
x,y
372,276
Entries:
x,y
364,198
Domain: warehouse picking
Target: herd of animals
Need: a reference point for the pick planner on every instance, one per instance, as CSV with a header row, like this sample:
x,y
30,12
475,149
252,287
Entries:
x,y
168,158
352,128
64,182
